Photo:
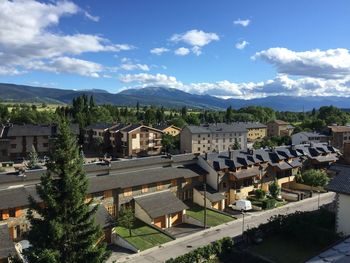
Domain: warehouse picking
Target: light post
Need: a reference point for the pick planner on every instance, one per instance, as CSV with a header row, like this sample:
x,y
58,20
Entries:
x,y
318,199
205,201
242,211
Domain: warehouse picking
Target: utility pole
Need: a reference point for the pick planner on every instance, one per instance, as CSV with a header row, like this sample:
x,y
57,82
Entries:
x,y
242,211
205,201
318,199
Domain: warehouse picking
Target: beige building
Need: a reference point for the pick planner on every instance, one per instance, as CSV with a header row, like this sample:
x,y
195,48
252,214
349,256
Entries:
x,y
169,129
339,136
212,137
17,140
279,128
256,131
341,185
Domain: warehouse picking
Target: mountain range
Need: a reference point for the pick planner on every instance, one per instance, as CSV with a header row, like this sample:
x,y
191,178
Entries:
x,y
163,96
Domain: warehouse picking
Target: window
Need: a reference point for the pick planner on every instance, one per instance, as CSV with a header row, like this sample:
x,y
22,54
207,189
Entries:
x,y
223,140
208,135
199,135
174,182
199,148
111,210
133,136
13,146
208,141
12,212
230,139
159,186
223,184
199,141
188,180
208,148
144,188
45,145
128,191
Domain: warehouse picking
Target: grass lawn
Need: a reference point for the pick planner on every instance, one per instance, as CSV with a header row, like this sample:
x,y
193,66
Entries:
x,y
283,249
213,218
143,236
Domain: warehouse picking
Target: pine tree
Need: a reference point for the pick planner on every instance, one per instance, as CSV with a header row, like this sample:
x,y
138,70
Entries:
x,y
63,228
33,162
126,218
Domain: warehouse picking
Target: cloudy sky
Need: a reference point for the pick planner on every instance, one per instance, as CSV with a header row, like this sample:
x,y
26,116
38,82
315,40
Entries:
x,y
241,49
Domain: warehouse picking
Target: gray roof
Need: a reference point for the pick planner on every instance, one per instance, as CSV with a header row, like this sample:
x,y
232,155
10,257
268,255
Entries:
x,y
253,125
311,134
211,194
217,128
7,247
340,253
17,197
103,218
341,182
159,204
30,130
137,177
98,126
246,173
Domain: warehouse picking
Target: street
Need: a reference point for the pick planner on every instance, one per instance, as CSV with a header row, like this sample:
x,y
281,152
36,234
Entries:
x,y
185,244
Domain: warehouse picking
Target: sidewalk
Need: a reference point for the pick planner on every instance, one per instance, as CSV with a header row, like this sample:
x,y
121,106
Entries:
x,y
185,244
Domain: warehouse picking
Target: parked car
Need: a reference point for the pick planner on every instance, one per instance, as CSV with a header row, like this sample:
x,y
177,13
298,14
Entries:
x,y
242,205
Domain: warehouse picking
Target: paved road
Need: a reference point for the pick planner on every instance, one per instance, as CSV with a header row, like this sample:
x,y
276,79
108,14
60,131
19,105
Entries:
x,y
182,245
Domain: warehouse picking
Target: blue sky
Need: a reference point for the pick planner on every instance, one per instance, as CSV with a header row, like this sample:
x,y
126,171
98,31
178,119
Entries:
x,y
240,49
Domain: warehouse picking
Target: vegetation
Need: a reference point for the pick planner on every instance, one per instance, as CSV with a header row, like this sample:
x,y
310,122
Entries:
x,y
313,178
213,218
274,189
65,230
260,194
170,143
126,218
33,162
143,236
272,142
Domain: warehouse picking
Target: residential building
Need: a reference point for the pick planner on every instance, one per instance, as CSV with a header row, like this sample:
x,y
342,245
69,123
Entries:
x,y
155,187
308,137
256,131
340,184
212,137
16,141
95,132
7,247
339,136
169,129
237,174
279,128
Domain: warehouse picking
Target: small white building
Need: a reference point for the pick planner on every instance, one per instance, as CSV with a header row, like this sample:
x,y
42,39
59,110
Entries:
x,y
341,185
308,137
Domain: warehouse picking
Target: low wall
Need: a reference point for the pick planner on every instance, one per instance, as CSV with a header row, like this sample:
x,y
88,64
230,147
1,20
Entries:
x,y
161,230
123,243
190,220
304,187
221,212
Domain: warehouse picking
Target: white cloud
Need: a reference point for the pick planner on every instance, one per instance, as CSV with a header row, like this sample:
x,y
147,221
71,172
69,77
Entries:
x,y
328,64
28,35
195,38
91,17
196,50
69,65
280,85
159,50
242,22
131,66
242,44
182,51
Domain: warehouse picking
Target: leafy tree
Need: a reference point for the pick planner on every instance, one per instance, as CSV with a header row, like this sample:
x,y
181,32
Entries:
x,y
274,189
168,142
33,162
126,218
314,178
63,229
260,194
236,145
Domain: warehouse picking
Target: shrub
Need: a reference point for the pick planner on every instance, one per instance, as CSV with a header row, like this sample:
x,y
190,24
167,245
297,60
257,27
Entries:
x,y
274,189
268,203
260,194
314,178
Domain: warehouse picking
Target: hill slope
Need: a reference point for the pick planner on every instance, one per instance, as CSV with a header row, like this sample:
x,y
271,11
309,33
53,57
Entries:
x,y
166,97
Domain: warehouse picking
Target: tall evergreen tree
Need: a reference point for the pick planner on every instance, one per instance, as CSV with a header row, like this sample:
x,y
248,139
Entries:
x,y
63,229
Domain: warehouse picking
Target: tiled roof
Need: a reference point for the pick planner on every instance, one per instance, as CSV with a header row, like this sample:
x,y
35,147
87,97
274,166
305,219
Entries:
x,y
279,122
339,128
159,204
103,218
98,126
246,173
211,194
17,197
341,182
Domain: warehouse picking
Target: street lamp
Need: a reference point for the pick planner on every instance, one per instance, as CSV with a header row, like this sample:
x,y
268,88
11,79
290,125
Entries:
x,y
205,201
242,211
318,199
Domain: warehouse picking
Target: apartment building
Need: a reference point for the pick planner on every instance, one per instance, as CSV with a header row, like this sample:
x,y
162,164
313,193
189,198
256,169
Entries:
x,y
308,137
256,131
279,128
96,131
17,140
339,136
212,137
237,174
169,129
155,187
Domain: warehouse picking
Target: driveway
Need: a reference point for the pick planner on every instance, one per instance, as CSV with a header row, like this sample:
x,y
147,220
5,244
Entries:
x,y
185,244
183,229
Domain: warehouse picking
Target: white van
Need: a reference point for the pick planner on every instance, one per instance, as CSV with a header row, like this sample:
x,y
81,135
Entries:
x,y
242,205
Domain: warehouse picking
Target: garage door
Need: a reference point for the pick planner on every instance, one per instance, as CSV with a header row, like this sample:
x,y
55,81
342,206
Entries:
x,y
160,222
216,205
176,218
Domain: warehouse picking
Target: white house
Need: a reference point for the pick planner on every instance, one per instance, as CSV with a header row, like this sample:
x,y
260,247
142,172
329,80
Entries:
x,y
341,185
308,137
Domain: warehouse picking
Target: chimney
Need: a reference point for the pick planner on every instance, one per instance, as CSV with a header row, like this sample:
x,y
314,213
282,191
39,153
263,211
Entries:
x,y
206,156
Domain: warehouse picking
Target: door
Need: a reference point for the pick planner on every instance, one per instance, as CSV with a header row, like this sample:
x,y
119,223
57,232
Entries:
x,y
176,218
160,222
216,205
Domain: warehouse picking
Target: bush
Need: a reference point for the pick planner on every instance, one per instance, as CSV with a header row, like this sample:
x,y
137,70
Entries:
x,y
274,189
260,194
269,203
314,178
